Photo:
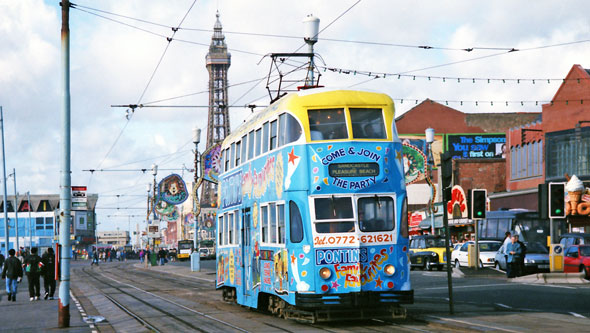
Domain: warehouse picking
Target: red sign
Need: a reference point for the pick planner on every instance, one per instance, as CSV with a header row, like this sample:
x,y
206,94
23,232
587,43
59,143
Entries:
x,y
415,219
78,188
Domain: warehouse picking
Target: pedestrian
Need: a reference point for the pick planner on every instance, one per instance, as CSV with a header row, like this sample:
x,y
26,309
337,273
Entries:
x,y
33,267
514,257
1,260
13,273
521,267
48,272
141,254
507,240
94,257
162,256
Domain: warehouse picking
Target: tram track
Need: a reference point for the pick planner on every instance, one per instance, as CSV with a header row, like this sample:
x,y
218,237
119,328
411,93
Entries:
x,y
168,314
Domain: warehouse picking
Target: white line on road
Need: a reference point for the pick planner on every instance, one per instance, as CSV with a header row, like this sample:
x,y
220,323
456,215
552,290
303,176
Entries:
x,y
503,306
470,286
474,324
577,315
549,285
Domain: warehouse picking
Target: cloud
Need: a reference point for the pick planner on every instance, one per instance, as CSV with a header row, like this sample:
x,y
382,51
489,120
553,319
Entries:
x,y
113,63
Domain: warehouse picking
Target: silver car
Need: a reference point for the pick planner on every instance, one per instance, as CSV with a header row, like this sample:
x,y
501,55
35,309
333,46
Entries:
x,y
535,260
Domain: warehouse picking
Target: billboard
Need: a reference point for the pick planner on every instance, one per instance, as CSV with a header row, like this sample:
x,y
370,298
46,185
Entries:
x,y
476,145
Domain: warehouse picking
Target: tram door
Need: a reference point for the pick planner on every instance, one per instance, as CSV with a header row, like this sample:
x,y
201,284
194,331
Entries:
x,y
246,250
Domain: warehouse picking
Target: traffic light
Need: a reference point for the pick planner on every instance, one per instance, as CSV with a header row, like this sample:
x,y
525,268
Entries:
x,y
556,200
479,204
446,161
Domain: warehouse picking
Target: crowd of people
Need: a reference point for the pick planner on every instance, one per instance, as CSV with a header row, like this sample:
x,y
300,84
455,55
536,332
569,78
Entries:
x,y
34,267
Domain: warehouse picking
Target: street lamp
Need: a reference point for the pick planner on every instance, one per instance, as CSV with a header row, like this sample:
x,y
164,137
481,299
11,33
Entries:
x,y
430,139
195,256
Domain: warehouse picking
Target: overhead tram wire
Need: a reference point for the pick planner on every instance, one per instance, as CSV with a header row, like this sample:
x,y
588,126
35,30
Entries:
x,y
147,85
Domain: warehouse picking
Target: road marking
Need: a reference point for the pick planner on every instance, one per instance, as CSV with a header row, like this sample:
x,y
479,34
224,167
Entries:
x,y
474,324
577,315
471,286
503,306
549,285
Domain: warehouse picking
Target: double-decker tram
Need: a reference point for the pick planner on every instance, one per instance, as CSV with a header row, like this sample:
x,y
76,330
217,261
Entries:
x,y
312,219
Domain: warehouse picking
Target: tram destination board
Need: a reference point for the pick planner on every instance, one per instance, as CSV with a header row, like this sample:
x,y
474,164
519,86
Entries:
x,y
354,169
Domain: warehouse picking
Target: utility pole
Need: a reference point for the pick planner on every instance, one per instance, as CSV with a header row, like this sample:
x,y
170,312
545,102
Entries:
x,y
30,226
196,255
6,231
15,207
65,199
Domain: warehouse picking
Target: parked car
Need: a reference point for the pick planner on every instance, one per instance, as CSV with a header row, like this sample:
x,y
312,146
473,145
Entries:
x,y
487,253
535,260
577,259
574,238
427,252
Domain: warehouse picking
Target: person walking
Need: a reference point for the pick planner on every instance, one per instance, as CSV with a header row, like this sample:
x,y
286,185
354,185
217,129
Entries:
x,y
33,267
162,256
48,272
94,257
514,257
1,260
13,273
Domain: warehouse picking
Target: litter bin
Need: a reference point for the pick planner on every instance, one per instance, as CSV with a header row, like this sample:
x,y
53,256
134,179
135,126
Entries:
x,y
556,258
154,259
471,256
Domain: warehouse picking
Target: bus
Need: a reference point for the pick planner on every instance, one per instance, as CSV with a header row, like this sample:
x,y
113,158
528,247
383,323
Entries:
x,y
185,248
312,209
525,223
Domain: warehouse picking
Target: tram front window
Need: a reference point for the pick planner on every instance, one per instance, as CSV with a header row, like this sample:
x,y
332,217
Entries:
x,y
367,123
376,214
334,215
327,124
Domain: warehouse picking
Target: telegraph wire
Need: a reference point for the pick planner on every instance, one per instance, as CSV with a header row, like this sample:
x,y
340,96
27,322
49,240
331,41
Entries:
x,y
145,89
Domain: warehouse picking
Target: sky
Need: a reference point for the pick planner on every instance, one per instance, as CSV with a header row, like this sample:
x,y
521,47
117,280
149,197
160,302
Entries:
x,y
116,46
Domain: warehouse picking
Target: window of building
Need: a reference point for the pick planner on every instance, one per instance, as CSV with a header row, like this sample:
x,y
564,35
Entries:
x,y
327,124
367,123
512,163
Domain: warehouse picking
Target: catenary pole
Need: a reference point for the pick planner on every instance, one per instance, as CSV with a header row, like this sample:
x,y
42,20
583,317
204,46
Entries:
x,y
6,231
15,208
65,199
30,226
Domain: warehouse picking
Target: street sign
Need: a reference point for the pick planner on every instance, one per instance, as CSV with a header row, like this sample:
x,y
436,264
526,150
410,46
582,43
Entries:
x,y
79,199
153,231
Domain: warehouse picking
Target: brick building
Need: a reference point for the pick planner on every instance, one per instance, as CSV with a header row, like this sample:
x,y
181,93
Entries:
x,y
547,149
476,141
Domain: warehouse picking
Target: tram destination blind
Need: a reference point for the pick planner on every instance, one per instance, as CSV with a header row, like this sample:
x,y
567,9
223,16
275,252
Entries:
x,y
353,169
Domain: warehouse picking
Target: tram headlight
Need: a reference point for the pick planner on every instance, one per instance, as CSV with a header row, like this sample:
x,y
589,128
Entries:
x,y
325,273
389,270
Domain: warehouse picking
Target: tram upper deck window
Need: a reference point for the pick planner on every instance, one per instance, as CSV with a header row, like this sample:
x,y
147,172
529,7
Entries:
x,y
367,123
265,137
376,214
244,149
258,142
327,124
250,145
289,129
334,215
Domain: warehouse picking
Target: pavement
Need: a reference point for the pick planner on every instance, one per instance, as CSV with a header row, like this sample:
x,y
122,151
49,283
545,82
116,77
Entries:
x,y
538,278
36,316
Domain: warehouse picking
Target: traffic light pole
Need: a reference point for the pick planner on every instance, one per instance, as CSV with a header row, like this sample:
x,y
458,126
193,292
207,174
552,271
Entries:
x,y
446,197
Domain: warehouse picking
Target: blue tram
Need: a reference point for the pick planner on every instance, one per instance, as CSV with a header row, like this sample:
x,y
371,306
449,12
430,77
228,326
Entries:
x,y
312,218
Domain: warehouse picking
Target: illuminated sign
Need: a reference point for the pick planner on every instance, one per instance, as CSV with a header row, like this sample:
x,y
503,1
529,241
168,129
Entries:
x,y
353,169
477,145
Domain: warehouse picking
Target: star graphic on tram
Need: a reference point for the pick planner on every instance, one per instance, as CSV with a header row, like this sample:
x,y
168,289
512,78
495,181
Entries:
x,y
292,156
379,283
398,155
335,285
293,258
